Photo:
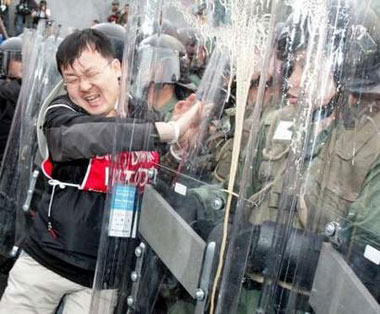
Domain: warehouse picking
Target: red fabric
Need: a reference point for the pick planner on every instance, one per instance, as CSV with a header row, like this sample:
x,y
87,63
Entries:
x,y
130,168
113,18
47,167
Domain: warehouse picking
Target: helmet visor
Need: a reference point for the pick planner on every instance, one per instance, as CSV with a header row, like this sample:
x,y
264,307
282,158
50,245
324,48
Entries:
x,y
11,64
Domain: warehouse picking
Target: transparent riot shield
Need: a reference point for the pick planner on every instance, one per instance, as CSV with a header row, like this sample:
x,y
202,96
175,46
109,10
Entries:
x,y
296,243
18,176
42,82
157,250
8,202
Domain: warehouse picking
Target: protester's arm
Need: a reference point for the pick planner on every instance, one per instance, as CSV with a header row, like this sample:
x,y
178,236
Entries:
x,y
73,135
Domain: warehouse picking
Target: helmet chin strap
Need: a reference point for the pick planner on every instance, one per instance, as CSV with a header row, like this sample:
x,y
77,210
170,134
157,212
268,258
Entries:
x,y
326,111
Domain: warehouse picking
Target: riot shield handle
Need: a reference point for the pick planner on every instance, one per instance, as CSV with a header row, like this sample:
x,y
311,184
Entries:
x,y
29,195
136,276
202,292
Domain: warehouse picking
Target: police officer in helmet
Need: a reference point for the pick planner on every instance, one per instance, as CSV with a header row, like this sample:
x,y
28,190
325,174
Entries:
x,y
10,85
164,84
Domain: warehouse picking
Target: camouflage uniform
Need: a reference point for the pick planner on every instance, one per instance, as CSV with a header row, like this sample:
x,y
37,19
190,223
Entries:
x,y
271,163
347,161
341,166
361,230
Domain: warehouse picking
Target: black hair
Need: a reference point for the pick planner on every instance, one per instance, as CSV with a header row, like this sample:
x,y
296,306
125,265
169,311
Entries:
x,y
74,44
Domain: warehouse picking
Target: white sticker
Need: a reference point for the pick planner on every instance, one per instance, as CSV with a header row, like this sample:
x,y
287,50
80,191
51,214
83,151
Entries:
x,y
284,131
123,216
180,189
372,254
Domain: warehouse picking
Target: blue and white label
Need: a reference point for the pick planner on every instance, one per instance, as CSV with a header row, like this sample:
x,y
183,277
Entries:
x,y
123,216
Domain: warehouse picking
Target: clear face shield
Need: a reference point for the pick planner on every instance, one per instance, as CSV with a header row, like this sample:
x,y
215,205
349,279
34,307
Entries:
x,y
156,67
12,64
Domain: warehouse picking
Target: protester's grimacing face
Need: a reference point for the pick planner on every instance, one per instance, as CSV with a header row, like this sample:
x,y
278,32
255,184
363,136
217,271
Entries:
x,y
93,82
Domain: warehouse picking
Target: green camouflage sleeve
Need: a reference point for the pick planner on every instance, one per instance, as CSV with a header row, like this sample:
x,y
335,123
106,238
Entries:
x,y
364,214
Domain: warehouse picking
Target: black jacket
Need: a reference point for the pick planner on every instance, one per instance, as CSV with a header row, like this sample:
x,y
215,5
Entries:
x,y
74,137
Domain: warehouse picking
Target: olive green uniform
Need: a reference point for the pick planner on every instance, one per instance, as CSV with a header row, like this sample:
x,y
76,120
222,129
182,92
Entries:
x,y
362,231
343,159
195,79
364,213
338,173
168,108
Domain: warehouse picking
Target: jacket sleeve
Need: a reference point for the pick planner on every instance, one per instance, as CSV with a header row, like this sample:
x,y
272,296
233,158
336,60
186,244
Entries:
x,y
74,135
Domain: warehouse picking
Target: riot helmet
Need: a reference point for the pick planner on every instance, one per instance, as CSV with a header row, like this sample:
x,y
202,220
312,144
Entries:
x,y
164,41
11,57
362,64
158,75
116,34
164,27
197,50
295,34
165,52
190,39
295,38
353,42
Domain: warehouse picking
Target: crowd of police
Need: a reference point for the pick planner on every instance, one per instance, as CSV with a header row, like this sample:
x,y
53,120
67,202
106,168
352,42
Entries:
x,y
118,142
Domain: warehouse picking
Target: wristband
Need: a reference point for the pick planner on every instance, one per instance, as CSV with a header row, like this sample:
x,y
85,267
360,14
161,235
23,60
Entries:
x,y
174,154
176,132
